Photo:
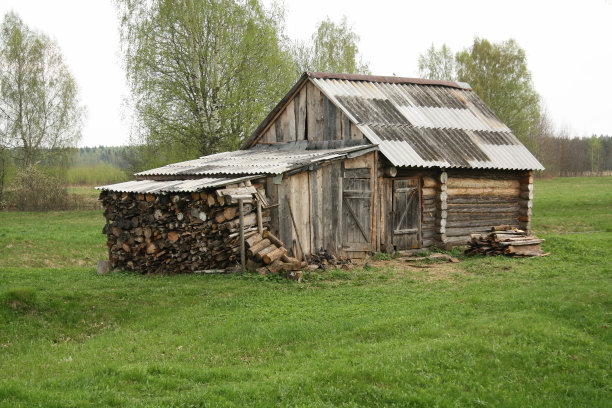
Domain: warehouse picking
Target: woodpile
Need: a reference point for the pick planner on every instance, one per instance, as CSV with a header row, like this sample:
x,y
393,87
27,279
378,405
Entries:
x,y
268,256
505,240
180,233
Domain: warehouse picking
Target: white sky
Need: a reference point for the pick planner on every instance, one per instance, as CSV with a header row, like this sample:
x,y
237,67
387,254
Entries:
x,y
568,45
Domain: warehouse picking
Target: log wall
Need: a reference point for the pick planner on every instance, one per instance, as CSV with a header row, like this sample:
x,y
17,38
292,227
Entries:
x,y
311,116
478,200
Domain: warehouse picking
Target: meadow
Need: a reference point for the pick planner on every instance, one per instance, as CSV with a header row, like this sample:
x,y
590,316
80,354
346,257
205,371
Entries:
x,y
488,331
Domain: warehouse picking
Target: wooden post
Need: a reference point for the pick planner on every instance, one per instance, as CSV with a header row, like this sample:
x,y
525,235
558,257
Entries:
x,y
259,222
297,232
242,255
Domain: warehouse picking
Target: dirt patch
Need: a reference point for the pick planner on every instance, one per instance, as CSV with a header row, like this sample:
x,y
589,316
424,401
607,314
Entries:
x,y
428,271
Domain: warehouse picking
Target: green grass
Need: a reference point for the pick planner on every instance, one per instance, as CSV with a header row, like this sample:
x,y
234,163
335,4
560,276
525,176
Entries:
x,y
485,332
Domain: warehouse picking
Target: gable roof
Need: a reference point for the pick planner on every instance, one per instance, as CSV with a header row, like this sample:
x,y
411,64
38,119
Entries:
x,y
419,122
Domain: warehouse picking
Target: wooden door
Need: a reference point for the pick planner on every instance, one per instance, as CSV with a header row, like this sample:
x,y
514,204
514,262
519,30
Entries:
x,y
356,210
406,214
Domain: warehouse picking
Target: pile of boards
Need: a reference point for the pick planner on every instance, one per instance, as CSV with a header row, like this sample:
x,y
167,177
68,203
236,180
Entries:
x,y
178,233
266,255
505,240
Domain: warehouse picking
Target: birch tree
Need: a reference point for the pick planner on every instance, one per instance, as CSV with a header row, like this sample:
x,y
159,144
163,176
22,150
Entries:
x,y
203,73
40,112
498,73
438,64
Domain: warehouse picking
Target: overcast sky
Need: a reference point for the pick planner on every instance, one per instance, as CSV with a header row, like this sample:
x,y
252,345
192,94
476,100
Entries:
x,y
568,45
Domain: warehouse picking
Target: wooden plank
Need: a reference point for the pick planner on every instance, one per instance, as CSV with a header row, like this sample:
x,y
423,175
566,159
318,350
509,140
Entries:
x,y
346,127
301,115
290,134
316,203
330,113
361,173
272,192
355,132
278,128
313,113
285,230
336,198
303,202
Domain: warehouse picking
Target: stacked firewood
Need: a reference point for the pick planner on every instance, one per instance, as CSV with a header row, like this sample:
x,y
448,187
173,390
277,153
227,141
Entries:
x,y
505,240
179,233
268,256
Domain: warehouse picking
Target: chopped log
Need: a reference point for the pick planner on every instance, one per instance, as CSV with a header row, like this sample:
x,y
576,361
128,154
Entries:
x,y
253,239
273,238
275,267
258,247
263,271
274,255
103,267
173,236
259,255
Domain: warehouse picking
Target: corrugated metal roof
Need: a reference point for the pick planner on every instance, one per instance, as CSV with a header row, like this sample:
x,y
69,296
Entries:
x,y
174,186
255,161
426,123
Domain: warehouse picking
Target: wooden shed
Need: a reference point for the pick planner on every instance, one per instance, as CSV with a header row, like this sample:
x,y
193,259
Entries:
x,y
359,164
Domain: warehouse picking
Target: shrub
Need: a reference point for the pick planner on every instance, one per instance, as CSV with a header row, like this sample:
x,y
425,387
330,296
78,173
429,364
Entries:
x,y
34,190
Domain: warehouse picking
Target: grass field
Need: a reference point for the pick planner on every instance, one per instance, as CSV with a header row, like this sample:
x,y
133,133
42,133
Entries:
x,y
484,332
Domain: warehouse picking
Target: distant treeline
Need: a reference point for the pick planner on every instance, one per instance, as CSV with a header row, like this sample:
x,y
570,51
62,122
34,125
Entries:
x,y
561,155
564,156
117,156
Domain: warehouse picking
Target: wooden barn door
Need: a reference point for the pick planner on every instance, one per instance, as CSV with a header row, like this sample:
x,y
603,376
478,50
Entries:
x,y
356,210
406,214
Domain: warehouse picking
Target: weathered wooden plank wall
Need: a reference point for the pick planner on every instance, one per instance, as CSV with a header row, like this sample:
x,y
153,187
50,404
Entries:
x,y
316,200
310,115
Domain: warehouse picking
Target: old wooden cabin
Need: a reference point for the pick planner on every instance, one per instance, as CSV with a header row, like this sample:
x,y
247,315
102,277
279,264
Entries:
x,y
360,163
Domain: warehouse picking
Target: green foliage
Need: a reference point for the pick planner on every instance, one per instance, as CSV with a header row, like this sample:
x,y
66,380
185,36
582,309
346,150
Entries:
x,y
438,64
34,190
203,73
498,73
335,49
382,256
492,332
40,113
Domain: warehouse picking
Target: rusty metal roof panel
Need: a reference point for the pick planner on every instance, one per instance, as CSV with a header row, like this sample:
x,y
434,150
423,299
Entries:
x,y
425,124
173,186
254,161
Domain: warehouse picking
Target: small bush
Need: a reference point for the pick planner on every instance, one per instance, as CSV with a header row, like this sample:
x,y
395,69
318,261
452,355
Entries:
x,y
382,256
34,190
